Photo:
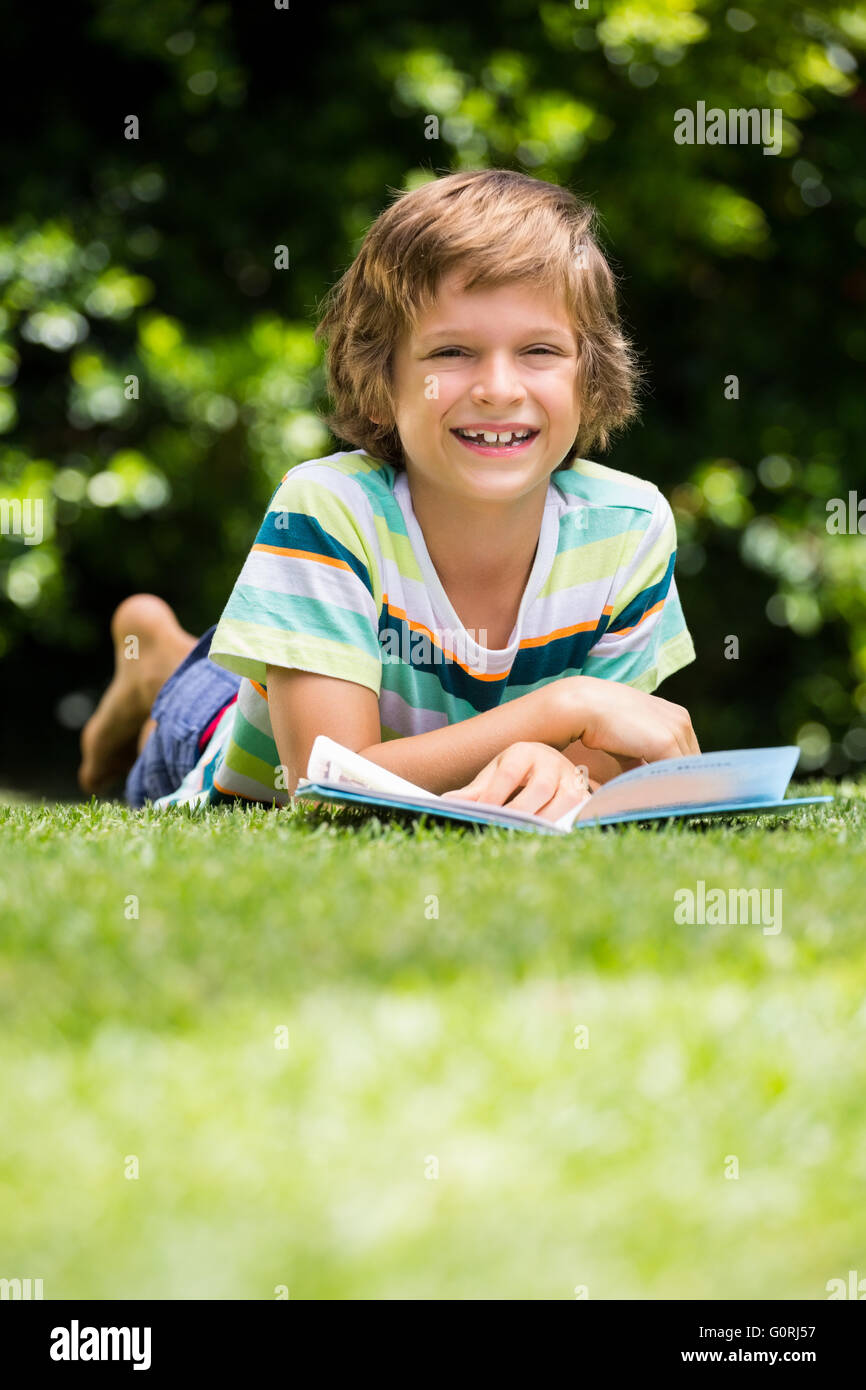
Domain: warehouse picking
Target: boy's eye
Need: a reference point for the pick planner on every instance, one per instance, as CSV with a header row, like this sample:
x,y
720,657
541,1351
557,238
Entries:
x,y
444,352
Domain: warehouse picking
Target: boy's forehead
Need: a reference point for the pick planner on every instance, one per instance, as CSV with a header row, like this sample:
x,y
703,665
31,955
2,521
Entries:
x,y
453,305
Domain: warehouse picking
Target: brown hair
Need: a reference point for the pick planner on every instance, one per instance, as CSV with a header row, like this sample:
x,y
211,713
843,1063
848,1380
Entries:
x,y
497,226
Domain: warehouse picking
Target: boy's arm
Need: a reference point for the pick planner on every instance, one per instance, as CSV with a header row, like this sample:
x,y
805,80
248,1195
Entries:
x,y
600,714
303,705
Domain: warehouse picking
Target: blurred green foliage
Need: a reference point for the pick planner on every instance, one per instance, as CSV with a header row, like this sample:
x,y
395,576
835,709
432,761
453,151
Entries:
x,y
158,374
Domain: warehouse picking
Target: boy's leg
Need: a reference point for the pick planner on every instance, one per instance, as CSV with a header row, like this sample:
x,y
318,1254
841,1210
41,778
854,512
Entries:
x,y
120,724
145,732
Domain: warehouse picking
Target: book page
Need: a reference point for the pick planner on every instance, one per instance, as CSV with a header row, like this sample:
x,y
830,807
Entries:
x,y
333,765
743,774
331,762
480,811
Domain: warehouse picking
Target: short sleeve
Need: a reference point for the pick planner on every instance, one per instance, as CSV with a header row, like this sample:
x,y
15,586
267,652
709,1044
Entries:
x,y
646,638
306,597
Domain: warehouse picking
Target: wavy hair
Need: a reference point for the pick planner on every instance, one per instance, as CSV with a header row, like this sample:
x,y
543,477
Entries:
x,y
495,226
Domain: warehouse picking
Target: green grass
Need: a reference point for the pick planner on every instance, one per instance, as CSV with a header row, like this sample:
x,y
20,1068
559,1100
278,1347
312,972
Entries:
x,y
414,1037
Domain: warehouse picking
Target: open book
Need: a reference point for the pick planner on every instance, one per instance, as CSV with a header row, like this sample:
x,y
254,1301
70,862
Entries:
x,y
704,784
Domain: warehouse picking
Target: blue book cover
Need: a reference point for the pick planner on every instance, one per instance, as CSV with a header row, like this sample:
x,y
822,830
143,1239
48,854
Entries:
x,y
737,782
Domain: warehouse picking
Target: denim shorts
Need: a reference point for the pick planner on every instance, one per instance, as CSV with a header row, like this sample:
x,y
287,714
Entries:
x,y
188,702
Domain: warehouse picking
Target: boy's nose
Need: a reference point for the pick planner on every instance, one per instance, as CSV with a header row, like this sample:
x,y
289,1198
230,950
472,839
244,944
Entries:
x,y
498,380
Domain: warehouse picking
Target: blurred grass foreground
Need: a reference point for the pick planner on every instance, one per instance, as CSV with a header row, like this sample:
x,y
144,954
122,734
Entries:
x,y
250,1055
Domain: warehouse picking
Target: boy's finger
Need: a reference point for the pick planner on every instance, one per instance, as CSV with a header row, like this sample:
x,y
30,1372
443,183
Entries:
x,y
471,791
689,744
539,790
474,790
493,785
503,781
565,800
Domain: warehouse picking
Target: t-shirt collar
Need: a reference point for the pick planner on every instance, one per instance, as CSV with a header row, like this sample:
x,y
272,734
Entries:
x,y
544,556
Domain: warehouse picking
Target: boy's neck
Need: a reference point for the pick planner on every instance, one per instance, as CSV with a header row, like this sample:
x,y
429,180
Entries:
x,y
479,544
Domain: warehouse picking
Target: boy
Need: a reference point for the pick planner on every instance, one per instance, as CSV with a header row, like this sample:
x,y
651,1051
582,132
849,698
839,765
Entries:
x,y
461,598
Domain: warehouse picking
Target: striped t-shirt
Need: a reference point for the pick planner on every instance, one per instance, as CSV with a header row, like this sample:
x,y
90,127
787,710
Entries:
x,y
339,582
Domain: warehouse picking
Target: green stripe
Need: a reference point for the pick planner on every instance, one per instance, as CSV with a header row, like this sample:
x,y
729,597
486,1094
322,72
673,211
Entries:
x,y
253,741
293,650
399,548
647,669
594,560
261,771
653,569
677,652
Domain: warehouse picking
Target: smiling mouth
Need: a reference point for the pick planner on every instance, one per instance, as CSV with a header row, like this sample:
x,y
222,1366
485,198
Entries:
x,y
499,445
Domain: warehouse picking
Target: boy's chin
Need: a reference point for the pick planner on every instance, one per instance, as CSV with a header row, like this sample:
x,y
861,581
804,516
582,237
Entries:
x,y
489,477
479,478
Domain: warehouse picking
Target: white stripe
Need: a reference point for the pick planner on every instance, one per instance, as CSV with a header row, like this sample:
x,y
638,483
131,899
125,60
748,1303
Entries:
x,y
287,574
397,714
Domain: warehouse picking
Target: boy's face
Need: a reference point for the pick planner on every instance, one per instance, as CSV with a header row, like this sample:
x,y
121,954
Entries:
x,y
486,360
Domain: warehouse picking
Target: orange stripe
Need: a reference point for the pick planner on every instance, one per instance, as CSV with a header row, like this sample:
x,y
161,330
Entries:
x,y
526,642
621,632
558,632
259,688
419,627
566,631
304,555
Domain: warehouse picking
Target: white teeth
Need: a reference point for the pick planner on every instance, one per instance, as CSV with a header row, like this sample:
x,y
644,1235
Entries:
x,y
492,437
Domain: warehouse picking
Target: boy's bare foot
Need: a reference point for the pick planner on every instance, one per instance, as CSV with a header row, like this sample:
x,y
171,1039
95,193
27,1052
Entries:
x,y
149,643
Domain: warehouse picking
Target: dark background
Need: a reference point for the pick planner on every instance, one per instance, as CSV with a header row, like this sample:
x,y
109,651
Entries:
x,y
260,127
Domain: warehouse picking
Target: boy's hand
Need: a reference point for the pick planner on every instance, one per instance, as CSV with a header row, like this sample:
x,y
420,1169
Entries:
x,y
625,721
550,782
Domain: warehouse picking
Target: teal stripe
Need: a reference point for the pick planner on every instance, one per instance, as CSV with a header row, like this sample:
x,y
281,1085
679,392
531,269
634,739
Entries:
x,y
671,618
607,490
253,741
422,690
577,528
385,506
626,669
305,616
